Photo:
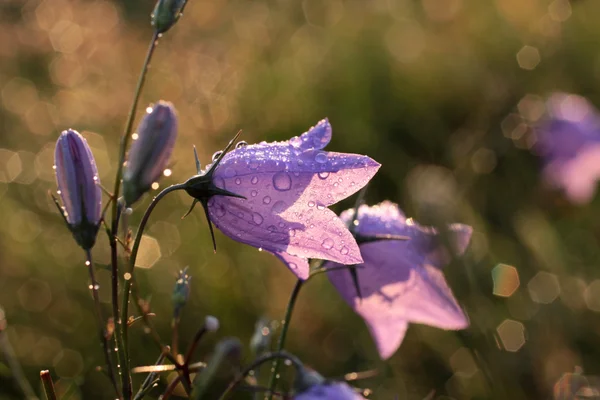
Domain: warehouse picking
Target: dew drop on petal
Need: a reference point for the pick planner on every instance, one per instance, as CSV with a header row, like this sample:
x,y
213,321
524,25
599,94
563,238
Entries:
x,y
281,225
344,250
238,181
323,175
257,218
327,244
321,157
296,141
292,232
292,265
266,199
253,193
216,155
240,214
240,144
320,207
311,203
229,172
254,180
300,162
219,210
279,207
253,165
282,181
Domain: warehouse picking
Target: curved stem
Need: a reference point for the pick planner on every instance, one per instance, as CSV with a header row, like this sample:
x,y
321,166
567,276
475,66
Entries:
x,y
101,324
120,327
13,362
283,335
257,363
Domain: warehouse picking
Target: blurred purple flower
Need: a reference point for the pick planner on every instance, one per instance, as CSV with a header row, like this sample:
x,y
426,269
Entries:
x,y
568,139
150,151
401,281
287,187
329,391
78,186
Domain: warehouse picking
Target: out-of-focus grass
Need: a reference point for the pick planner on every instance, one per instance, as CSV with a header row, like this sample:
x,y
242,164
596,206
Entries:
x,y
438,91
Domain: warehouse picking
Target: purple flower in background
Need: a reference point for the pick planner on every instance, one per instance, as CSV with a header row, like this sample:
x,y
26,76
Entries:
x,y
401,281
286,189
568,139
329,391
78,187
150,152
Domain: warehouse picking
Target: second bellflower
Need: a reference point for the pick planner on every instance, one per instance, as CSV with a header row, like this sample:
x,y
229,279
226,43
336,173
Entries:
x,y
401,281
286,189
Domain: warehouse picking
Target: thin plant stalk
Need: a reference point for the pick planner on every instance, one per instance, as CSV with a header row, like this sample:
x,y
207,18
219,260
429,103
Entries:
x,y
14,365
146,385
283,335
276,356
48,385
101,324
121,324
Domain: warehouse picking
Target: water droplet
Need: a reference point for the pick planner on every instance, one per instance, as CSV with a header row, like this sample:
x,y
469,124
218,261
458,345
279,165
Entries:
x,y
253,193
240,214
240,144
127,276
257,218
253,165
292,232
54,167
279,207
320,207
323,175
87,263
281,225
254,180
58,192
95,178
300,162
296,141
340,180
282,181
321,157
327,244
96,287
219,210
344,250
90,287
266,199
229,172
216,155
238,181
311,203
292,265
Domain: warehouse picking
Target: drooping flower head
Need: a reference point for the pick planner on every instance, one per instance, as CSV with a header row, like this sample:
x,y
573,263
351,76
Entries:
x,y
310,385
401,281
150,151
286,189
568,139
78,187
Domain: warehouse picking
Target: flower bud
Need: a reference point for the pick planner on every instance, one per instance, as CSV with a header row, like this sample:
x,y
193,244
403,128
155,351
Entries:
x,y
166,13
78,186
181,292
150,151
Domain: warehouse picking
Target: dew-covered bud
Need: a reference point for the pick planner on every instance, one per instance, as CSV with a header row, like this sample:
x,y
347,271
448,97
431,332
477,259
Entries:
x,y
150,151
78,187
211,323
261,339
166,13
181,292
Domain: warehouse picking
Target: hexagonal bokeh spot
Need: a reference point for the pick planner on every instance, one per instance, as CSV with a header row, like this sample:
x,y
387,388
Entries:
x,y
528,57
35,295
544,287
592,296
512,335
149,252
462,362
506,280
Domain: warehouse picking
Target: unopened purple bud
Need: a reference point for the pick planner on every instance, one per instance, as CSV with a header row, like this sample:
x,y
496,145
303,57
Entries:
x,y
181,292
150,152
78,186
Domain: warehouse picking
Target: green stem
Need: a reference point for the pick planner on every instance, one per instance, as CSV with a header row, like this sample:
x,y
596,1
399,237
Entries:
x,y
133,256
101,324
120,325
48,385
283,335
13,363
276,356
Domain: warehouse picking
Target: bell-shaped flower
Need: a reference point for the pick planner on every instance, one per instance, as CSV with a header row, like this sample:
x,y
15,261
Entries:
x,y
400,281
310,385
78,187
282,193
150,151
568,139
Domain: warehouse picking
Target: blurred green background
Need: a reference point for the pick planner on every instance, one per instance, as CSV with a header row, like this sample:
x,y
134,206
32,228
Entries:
x,y
441,92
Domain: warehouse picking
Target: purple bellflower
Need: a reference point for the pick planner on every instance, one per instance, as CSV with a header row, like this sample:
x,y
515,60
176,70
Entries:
x,y
150,152
568,139
78,187
400,281
329,391
274,196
